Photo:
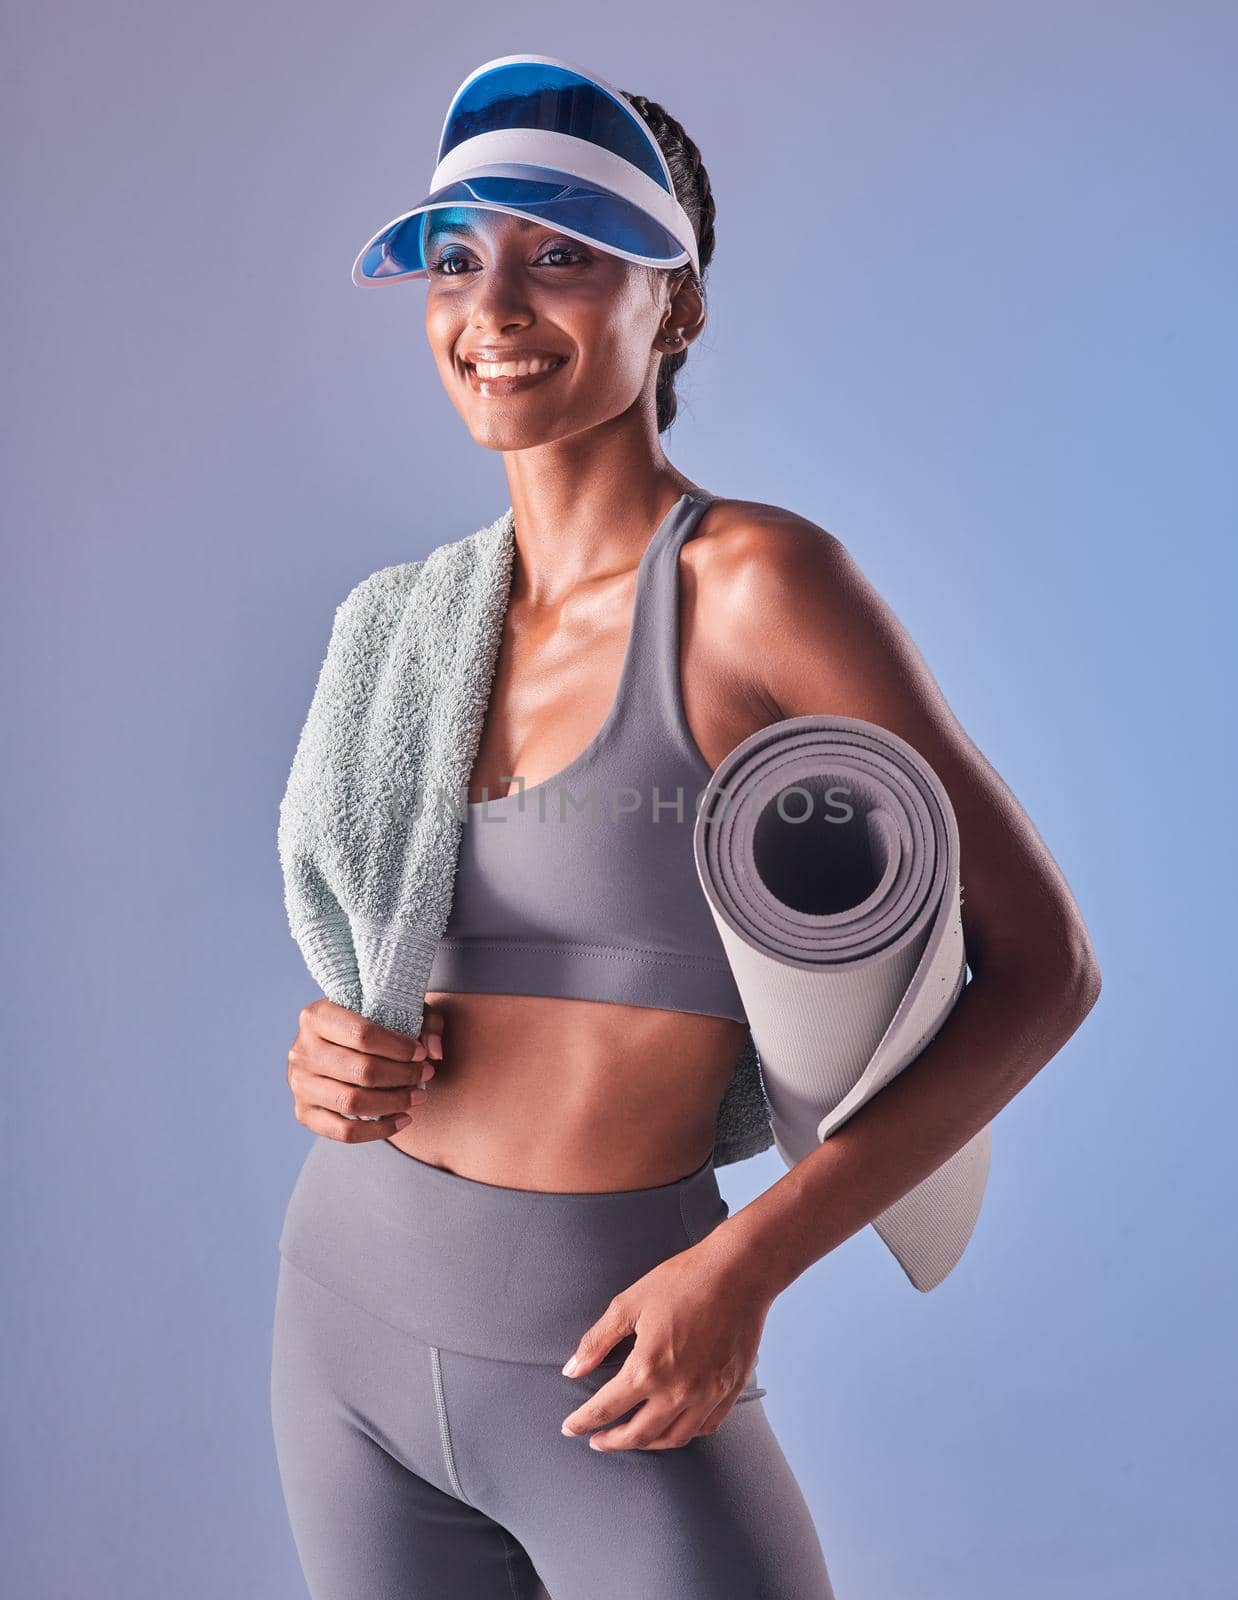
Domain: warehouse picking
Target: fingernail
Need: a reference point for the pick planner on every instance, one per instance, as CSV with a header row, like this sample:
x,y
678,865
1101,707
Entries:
x,y
402,1122
436,1047
569,1370
428,1073
568,1429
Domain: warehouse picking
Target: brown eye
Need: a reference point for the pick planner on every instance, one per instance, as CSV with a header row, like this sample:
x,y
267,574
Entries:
x,y
443,262
566,249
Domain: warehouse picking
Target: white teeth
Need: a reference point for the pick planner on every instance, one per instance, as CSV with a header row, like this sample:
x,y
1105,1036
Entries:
x,y
513,369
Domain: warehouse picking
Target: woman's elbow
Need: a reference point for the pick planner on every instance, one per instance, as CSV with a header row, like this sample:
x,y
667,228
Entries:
x,y
1052,969
1080,976
1069,982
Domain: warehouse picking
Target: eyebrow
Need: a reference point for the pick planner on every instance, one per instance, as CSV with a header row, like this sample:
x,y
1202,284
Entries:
x,y
439,223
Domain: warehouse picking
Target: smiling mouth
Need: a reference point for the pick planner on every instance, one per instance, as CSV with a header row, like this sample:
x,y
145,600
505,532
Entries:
x,y
508,377
531,367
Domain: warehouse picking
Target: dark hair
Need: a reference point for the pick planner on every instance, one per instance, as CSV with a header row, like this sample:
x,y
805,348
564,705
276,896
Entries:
x,y
693,191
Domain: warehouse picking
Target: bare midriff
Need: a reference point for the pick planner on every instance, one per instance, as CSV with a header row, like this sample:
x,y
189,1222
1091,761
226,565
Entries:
x,y
538,1092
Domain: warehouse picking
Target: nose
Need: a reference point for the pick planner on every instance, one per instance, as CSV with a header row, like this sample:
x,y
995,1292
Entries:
x,y
498,300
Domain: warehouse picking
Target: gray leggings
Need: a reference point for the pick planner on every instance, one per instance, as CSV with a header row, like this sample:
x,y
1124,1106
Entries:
x,y
421,1321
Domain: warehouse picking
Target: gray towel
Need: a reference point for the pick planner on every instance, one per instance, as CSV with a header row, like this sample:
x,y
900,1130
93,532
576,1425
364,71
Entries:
x,y
370,821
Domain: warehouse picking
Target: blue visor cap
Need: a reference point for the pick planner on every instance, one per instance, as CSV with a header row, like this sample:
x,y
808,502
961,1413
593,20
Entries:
x,y
541,138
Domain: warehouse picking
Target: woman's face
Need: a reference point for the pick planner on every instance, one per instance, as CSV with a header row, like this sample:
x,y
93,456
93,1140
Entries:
x,y
499,283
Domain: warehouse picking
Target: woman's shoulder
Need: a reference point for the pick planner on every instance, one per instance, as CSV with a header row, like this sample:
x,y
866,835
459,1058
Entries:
x,y
784,595
738,536
379,598
380,593
760,519
748,555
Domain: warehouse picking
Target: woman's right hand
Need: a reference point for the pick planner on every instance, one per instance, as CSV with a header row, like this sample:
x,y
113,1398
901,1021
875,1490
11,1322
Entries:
x,y
342,1067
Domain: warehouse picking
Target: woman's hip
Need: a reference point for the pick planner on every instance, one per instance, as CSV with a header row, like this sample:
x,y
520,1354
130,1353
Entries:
x,y
510,1274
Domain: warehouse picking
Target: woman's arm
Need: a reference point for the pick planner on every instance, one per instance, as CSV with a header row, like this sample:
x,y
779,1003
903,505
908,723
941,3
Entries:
x,y
784,597
821,640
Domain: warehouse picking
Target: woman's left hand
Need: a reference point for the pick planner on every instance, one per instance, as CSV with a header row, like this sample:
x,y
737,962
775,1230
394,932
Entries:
x,y
698,1319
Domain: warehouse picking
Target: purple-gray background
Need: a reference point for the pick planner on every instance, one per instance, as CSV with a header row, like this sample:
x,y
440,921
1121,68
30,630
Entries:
x,y
973,311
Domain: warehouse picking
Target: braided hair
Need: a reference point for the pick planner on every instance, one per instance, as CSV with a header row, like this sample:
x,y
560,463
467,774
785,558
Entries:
x,y
693,191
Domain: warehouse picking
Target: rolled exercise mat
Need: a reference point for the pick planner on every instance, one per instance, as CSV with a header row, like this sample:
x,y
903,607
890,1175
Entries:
x,y
829,853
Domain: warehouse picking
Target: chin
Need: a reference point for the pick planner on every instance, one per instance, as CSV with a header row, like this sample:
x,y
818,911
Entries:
x,y
509,435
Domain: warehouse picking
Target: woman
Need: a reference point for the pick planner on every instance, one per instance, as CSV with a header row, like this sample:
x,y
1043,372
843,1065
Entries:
x,y
551,1194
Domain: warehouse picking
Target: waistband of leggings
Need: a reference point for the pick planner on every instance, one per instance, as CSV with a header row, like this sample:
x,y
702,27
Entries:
x,y
511,1274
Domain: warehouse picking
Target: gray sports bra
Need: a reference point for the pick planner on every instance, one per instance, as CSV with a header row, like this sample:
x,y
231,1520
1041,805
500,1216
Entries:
x,y
584,886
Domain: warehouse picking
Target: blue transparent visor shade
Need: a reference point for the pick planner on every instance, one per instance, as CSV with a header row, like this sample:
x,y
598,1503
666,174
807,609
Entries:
x,y
552,97
562,201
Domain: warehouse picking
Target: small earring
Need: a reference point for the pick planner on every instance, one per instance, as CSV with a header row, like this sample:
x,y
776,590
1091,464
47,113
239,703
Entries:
x,y
674,338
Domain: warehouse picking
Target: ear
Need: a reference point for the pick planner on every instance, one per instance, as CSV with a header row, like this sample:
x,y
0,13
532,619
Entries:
x,y
685,306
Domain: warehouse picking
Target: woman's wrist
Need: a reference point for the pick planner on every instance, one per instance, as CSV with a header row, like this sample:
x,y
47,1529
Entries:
x,y
740,1259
